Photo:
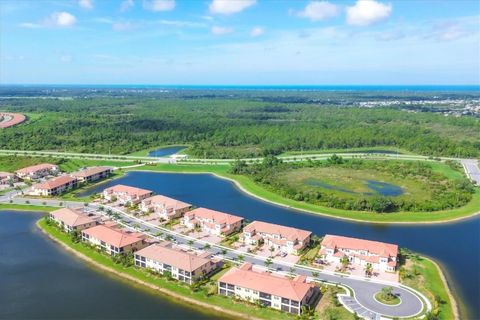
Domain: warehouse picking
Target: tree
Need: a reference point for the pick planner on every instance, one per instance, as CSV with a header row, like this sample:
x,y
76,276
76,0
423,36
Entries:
x,y
190,243
345,262
368,270
387,293
315,274
207,246
268,263
272,249
240,258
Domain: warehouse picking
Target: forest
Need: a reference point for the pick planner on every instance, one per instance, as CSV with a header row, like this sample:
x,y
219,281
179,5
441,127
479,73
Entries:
x,y
229,123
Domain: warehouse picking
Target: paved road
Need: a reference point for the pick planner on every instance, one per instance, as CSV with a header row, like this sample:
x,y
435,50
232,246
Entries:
x,y
472,169
364,289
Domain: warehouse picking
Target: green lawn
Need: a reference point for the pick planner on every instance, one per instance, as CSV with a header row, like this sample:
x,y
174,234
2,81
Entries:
x,y
25,207
160,282
12,163
394,300
305,152
423,275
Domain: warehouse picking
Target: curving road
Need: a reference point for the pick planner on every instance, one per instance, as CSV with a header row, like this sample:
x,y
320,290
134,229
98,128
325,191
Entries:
x,y
364,289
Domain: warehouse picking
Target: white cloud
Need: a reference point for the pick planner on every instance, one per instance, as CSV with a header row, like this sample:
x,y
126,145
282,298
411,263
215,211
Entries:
x,y
229,6
86,4
182,23
122,26
30,25
319,10
366,12
61,19
447,31
126,4
66,58
159,5
219,31
257,31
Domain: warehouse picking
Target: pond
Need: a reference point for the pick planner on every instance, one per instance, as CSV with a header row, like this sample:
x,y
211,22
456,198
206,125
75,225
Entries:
x,y
379,187
40,280
166,151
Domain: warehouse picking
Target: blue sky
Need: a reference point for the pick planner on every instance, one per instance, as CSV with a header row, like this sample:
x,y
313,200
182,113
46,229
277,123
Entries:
x,y
240,42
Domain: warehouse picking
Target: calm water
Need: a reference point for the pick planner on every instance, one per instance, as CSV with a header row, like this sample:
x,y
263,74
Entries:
x,y
165,152
382,188
456,246
40,280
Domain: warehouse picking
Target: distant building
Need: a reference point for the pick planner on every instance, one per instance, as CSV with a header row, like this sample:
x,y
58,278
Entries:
x,y
167,208
92,174
126,194
7,178
113,240
213,222
382,256
37,171
71,219
288,295
54,186
183,266
286,239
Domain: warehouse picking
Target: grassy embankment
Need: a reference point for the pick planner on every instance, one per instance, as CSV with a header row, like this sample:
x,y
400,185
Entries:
x,y
351,150
249,186
12,163
426,276
168,287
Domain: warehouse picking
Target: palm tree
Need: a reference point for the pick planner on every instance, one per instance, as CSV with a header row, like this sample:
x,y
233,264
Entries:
x,y
368,270
344,261
272,249
240,258
292,271
207,246
190,243
268,263
315,274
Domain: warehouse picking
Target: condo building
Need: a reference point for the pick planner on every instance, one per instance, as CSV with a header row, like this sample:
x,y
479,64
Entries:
x,y
213,222
167,208
126,194
181,265
288,295
381,256
286,239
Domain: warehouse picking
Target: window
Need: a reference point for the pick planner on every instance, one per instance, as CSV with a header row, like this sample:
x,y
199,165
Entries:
x,y
223,285
285,308
294,310
294,303
266,303
230,286
286,301
265,296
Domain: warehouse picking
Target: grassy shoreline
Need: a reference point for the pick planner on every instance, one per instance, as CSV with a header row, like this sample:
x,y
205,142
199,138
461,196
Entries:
x,y
251,188
432,282
217,304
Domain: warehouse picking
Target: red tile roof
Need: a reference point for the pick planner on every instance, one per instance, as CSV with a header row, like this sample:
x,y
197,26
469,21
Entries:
x,y
54,183
167,202
245,277
112,236
177,258
90,171
216,216
289,233
35,168
71,217
131,191
379,248
11,119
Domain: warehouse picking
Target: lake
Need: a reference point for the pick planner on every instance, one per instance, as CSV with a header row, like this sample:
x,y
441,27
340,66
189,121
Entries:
x,y
454,245
167,151
38,279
